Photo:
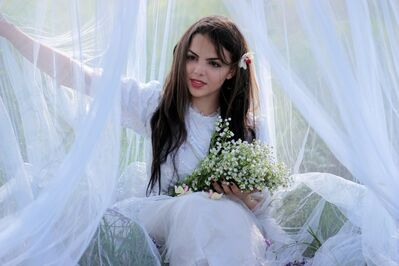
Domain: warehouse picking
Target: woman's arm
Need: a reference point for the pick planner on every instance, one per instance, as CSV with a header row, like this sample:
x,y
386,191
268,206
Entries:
x,y
51,61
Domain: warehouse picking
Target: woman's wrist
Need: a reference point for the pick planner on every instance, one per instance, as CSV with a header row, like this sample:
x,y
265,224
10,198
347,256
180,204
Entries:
x,y
250,202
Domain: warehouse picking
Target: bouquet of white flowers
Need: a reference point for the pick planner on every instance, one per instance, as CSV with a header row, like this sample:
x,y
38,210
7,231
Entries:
x,y
251,166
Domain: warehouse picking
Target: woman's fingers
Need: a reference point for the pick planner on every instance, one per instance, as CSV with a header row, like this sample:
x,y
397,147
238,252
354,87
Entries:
x,y
238,192
229,188
234,188
226,188
217,187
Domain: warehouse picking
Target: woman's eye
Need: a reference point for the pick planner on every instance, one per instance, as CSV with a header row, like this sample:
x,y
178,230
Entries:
x,y
190,57
215,64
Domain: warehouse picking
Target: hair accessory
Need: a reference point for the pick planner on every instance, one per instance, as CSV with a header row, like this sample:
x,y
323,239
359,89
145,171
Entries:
x,y
245,60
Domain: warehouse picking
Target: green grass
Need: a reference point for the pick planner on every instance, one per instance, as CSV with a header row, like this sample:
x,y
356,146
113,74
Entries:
x,y
118,242
295,211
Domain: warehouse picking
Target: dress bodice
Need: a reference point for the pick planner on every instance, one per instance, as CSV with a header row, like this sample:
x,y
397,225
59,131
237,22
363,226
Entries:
x,y
192,151
139,102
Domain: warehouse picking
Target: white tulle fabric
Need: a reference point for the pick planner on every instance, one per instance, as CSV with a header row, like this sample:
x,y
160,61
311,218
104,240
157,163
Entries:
x,y
344,87
60,150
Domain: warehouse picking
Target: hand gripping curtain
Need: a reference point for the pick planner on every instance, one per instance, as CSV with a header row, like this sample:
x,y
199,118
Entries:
x,y
337,62
60,148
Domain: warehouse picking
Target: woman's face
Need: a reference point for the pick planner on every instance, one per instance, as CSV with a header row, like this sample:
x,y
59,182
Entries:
x,y
205,71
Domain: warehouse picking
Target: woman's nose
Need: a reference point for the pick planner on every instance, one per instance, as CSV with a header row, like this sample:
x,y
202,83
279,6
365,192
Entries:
x,y
199,68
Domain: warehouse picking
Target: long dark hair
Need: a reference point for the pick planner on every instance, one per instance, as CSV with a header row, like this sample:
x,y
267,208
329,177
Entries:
x,y
238,95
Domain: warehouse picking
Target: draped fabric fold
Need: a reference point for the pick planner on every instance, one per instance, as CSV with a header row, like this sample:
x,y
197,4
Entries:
x,y
345,90
59,171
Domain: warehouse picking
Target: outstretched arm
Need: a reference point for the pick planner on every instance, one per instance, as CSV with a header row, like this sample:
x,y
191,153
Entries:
x,y
62,69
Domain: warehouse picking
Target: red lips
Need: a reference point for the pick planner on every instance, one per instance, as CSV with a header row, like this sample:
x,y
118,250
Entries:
x,y
197,84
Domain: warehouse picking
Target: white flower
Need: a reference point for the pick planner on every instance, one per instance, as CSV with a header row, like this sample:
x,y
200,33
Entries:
x,y
245,60
214,195
182,190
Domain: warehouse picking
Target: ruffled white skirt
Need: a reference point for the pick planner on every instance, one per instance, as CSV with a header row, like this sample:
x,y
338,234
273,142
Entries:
x,y
193,229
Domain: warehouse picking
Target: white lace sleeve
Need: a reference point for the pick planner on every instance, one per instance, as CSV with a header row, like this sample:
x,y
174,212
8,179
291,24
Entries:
x,y
138,102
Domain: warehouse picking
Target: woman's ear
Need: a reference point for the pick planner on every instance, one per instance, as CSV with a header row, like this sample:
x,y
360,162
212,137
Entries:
x,y
231,73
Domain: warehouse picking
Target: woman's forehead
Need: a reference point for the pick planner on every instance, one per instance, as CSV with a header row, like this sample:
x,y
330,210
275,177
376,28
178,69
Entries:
x,y
202,46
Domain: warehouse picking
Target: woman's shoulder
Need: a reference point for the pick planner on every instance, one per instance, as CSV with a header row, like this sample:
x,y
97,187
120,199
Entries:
x,y
139,101
138,95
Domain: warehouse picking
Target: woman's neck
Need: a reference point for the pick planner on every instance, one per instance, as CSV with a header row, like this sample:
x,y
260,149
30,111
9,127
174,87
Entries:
x,y
206,108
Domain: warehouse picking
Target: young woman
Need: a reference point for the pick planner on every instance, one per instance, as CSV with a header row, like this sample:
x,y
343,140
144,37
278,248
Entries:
x,y
210,77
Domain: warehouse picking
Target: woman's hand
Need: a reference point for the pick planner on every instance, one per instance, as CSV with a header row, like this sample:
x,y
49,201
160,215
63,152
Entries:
x,y
231,189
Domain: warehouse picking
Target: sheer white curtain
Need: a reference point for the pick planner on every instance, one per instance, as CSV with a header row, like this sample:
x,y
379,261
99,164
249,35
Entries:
x,y
337,63
60,149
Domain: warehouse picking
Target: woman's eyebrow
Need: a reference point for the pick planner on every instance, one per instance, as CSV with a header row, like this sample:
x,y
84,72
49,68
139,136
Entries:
x,y
209,59
193,53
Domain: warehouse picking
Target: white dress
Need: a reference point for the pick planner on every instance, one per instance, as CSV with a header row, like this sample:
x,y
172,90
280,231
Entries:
x,y
191,229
